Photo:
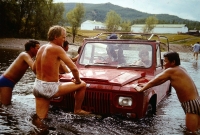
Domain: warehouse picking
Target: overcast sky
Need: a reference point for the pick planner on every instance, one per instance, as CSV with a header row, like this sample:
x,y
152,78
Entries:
x,y
186,9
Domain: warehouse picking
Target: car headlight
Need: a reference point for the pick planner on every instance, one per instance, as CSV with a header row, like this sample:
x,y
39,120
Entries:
x,y
125,101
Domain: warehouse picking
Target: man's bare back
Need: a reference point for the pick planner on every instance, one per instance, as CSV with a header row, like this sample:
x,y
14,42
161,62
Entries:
x,y
48,63
49,56
182,83
19,67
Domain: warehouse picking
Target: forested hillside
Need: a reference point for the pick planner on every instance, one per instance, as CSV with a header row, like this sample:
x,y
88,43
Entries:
x,y
98,12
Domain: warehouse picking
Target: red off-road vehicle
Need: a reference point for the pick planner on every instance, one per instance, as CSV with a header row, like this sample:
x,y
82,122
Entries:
x,y
113,65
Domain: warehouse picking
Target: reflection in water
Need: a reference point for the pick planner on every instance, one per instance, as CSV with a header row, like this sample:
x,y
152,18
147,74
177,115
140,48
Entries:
x,y
19,117
7,57
7,122
195,65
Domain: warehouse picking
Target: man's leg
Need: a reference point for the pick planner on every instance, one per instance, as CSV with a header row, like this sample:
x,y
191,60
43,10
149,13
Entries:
x,y
5,95
195,56
79,89
191,122
42,107
79,97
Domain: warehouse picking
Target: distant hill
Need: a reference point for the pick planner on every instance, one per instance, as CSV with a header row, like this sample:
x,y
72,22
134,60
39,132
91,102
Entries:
x,y
98,12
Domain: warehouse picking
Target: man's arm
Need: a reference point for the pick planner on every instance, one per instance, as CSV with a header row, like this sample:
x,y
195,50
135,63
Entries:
x,y
64,67
27,58
75,58
159,79
34,67
63,56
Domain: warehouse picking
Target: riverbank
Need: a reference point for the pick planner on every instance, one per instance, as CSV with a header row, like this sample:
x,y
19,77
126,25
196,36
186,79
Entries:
x,y
19,43
16,43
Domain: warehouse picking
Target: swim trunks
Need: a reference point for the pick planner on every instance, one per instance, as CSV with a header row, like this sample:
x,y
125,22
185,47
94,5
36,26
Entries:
x,y
45,89
6,82
192,106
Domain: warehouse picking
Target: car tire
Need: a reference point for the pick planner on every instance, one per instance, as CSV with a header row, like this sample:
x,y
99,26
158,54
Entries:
x,y
151,110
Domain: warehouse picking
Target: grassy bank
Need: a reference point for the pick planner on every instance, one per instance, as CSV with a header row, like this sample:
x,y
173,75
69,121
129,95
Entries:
x,y
182,39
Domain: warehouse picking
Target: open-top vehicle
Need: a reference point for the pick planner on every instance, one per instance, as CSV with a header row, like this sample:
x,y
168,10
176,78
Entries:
x,y
113,66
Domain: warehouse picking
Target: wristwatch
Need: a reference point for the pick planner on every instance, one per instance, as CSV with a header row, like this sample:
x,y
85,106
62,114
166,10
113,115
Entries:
x,y
79,82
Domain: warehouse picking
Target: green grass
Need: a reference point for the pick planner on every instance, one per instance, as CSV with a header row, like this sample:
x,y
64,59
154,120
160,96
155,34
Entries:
x,y
89,33
182,39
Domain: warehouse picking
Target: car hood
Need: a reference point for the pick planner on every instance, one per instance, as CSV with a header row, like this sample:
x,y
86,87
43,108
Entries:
x,y
106,76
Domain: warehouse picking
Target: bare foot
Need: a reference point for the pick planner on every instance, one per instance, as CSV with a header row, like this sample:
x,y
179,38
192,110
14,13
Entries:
x,y
82,112
43,129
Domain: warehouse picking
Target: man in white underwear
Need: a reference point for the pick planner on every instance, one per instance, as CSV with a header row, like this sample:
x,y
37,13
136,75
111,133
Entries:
x,y
46,66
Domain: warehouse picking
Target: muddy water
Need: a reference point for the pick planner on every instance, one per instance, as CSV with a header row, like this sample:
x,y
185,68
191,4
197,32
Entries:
x,y
18,117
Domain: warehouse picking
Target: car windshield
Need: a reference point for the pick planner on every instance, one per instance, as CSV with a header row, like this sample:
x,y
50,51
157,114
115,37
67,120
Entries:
x,y
118,55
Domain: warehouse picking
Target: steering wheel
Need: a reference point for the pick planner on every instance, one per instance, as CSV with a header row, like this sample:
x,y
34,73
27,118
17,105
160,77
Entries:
x,y
100,58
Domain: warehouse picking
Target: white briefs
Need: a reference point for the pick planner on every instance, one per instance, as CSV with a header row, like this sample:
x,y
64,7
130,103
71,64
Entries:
x,y
45,89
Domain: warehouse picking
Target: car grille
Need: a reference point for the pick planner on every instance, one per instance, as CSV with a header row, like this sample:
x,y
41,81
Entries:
x,y
97,102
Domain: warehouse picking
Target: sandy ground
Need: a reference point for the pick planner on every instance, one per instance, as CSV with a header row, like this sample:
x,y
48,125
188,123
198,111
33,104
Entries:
x,y
15,43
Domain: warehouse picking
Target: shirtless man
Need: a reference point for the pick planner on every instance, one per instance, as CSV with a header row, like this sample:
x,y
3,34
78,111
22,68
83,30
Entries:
x,y
63,68
16,70
66,47
47,83
185,88
76,57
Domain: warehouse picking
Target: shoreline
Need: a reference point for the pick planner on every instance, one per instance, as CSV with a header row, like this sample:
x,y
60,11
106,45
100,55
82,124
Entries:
x,y
16,43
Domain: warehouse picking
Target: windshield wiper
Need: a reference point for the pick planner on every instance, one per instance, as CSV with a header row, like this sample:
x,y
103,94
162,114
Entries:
x,y
130,65
96,64
101,63
133,65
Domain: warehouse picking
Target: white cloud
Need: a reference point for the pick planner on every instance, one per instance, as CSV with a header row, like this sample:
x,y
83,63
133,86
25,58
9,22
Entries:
x,y
186,9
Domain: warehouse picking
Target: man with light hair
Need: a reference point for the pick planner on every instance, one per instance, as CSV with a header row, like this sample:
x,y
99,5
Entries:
x,y
47,83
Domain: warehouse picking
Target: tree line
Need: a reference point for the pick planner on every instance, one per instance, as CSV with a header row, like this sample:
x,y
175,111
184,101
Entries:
x,y
29,18
32,19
